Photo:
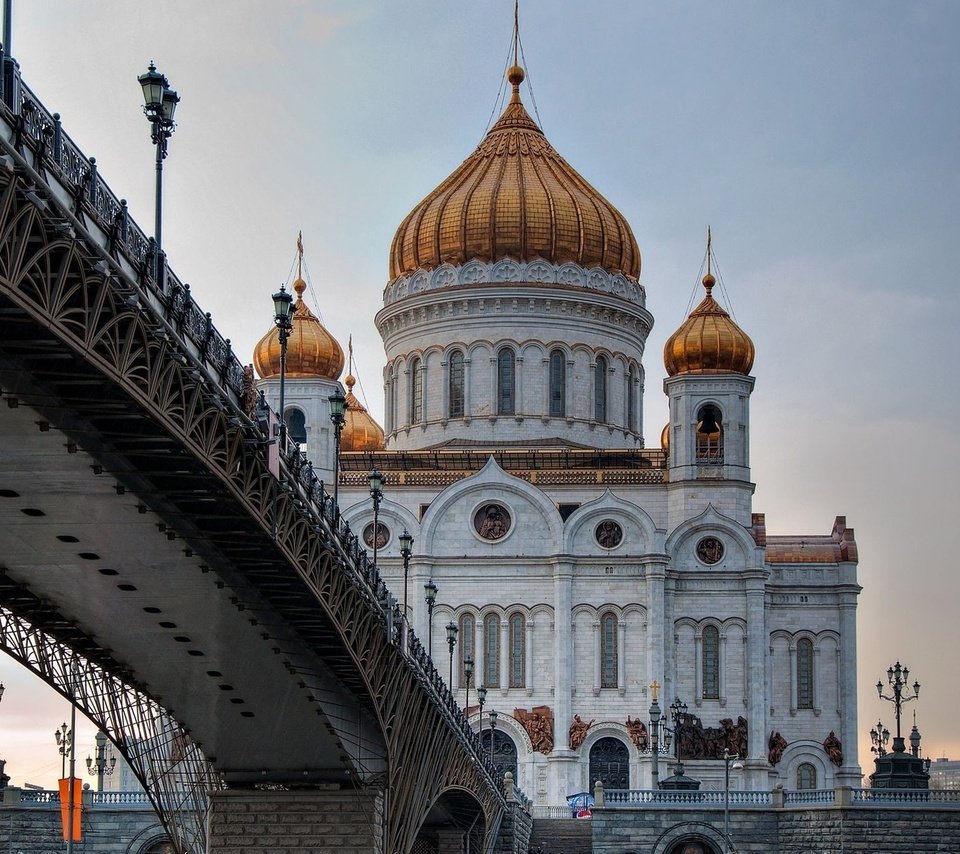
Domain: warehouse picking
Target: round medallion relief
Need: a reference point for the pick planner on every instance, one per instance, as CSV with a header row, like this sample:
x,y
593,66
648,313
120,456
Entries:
x,y
492,521
609,534
710,550
383,535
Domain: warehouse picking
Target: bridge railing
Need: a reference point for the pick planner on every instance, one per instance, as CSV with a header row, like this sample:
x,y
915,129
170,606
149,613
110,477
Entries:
x,y
808,798
311,497
56,154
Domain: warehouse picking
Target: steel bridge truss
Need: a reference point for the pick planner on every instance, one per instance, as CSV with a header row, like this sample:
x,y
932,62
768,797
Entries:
x,y
168,764
68,277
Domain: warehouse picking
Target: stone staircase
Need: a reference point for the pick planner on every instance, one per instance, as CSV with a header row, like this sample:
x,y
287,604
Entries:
x,y
561,836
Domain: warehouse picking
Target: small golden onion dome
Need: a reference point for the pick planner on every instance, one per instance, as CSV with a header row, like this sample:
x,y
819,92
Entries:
x,y
665,437
360,432
515,197
708,341
311,350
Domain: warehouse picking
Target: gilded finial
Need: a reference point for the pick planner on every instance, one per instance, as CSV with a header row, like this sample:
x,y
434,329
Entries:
x,y
655,687
709,281
299,284
515,74
349,379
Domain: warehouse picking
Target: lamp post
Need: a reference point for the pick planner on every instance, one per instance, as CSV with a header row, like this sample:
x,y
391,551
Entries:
x,y
879,736
468,675
898,677
451,642
282,318
481,699
655,721
737,765
159,105
678,712
406,549
430,597
493,726
64,737
338,409
100,766
375,479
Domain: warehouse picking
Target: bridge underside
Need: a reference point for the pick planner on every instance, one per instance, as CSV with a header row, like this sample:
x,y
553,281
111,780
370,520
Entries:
x,y
134,546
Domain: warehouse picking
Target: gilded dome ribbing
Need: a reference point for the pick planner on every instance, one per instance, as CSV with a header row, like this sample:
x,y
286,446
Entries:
x,y
708,341
311,350
360,432
515,197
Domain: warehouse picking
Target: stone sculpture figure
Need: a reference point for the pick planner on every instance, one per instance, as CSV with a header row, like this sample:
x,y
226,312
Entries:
x,y
637,732
578,731
775,747
833,748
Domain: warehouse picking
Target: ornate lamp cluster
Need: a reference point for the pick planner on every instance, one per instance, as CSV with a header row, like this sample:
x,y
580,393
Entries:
x,y
898,678
159,105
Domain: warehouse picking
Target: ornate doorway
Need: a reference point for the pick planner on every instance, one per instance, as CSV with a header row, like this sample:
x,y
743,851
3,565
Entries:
x,y
504,753
610,764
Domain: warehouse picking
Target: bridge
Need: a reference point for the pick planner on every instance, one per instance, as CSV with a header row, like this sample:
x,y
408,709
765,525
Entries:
x,y
190,587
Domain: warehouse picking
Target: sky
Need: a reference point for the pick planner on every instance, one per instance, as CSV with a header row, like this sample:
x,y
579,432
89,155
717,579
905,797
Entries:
x,y
819,140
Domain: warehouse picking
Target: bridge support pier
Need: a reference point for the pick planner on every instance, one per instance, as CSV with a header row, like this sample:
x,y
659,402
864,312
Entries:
x,y
320,821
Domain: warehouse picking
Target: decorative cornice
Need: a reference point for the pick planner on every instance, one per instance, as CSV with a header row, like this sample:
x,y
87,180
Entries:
x,y
536,272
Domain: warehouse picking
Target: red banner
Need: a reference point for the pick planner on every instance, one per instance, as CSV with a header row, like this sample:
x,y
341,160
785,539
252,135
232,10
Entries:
x,y
65,808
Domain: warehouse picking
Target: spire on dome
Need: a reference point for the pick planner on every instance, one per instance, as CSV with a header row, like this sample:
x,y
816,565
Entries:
x,y
708,341
311,350
360,432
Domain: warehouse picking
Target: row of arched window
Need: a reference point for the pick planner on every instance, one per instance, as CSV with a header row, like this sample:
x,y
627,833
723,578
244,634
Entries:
x,y
497,638
505,388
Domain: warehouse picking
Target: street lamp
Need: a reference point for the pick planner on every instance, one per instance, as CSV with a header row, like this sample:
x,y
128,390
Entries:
x,y
282,318
338,409
898,677
451,642
64,737
737,766
159,105
879,736
468,675
406,549
375,479
493,726
678,712
101,766
430,596
481,699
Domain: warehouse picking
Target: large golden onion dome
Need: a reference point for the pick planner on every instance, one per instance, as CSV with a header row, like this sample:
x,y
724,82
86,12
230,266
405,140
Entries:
x,y
360,432
708,341
311,350
515,197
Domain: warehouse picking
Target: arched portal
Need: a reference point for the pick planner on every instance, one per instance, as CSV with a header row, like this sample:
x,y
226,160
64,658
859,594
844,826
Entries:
x,y
504,753
610,763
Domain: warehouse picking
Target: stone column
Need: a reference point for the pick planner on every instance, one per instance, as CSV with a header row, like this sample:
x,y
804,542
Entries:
x,y
656,616
621,655
722,674
755,581
528,668
505,652
467,405
849,774
597,664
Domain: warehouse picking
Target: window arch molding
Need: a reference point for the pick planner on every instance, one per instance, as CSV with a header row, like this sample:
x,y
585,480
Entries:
x,y
558,360
296,420
505,379
601,387
709,433
416,390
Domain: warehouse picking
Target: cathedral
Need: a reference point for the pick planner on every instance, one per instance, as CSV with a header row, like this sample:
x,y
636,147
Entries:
x,y
561,568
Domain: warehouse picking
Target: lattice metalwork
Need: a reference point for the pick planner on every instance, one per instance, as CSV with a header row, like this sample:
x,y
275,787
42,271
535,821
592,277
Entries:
x,y
168,764
145,345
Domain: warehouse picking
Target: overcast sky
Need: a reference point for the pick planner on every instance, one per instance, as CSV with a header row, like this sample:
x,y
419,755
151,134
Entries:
x,y
818,139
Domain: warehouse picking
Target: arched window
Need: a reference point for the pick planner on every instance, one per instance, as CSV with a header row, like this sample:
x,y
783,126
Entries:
x,y
296,425
632,399
516,651
710,650
600,390
610,763
804,673
465,640
608,650
806,776
506,382
491,651
455,385
416,391
558,384
709,435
